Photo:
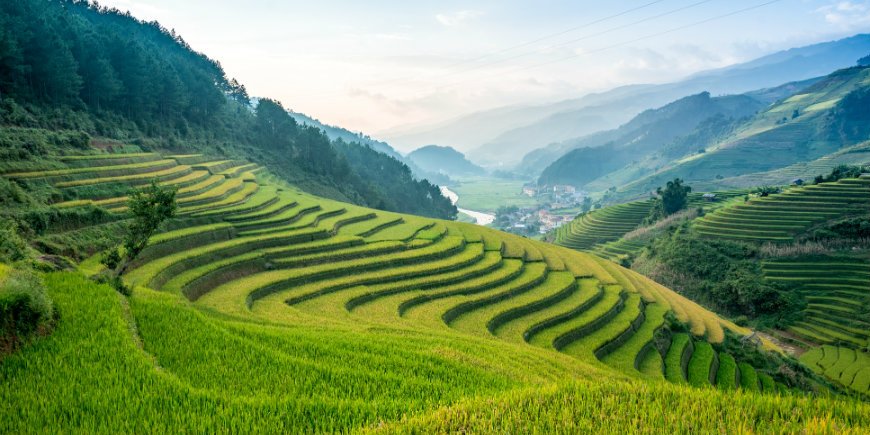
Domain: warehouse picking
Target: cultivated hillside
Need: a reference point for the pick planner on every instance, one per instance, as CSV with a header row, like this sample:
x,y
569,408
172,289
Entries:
x,y
807,243
87,71
282,311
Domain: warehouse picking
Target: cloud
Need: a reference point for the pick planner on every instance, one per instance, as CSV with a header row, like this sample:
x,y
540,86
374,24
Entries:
x,y
457,18
846,14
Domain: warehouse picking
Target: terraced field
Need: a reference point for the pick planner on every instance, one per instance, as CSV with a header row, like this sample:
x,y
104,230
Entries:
x,y
610,232
262,306
246,245
780,217
854,155
603,225
835,288
849,367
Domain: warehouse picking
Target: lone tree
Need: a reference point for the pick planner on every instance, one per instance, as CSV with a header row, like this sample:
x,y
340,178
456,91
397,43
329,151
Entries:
x,y
149,207
673,198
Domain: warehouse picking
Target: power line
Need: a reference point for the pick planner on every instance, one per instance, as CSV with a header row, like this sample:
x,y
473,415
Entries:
x,y
610,47
553,35
590,36
514,47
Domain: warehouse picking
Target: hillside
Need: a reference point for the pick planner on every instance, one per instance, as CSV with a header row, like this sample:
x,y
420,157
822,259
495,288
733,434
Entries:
x,y
671,131
536,161
446,160
807,242
90,72
820,121
257,277
336,133
511,132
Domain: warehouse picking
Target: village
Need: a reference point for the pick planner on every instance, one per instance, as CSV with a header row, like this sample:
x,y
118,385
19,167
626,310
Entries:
x,y
556,206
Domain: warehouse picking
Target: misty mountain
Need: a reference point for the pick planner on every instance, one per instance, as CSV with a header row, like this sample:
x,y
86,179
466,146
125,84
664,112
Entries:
x,y
346,135
535,161
503,136
669,130
338,133
786,66
821,120
444,160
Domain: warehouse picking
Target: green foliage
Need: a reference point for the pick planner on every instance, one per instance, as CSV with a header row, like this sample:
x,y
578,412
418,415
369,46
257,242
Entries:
x,y
393,181
840,172
24,307
849,228
149,207
674,196
725,275
766,190
97,71
27,144
12,246
41,220
784,369
110,258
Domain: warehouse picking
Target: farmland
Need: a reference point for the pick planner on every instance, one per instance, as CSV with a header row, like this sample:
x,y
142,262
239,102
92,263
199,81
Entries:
x,y
833,283
618,231
262,307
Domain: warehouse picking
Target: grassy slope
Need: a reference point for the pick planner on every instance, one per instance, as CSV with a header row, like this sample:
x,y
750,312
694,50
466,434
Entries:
x,y
240,358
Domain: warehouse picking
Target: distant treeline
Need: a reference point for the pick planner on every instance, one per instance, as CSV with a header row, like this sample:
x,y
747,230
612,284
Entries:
x,y
71,65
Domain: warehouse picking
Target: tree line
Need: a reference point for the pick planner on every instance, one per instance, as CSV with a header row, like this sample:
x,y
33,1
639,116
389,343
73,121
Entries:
x,y
73,65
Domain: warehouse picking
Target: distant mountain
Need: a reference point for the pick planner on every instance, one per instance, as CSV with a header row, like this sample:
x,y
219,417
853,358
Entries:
x,y
822,120
444,160
786,66
338,133
535,162
346,135
502,136
671,131
469,131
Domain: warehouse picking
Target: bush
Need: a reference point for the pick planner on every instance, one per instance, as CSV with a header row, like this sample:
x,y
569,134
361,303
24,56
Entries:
x,y
839,173
766,190
724,275
12,247
24,308
850,228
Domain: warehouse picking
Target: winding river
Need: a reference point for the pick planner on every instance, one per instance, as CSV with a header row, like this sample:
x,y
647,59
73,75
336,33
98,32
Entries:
x,y
480,218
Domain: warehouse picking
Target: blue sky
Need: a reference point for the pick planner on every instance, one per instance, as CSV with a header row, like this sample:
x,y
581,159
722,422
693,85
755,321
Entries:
x,y
378,65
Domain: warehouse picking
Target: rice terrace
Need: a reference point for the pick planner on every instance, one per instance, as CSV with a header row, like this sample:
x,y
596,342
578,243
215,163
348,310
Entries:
x,y
178,255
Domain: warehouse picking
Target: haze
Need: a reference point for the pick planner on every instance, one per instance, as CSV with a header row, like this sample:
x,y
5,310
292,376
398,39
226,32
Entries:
x,y
383,66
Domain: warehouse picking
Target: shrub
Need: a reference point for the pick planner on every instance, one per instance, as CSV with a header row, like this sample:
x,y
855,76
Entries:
x,y
24,308
850,228
12,246
838,173
766,190
723,274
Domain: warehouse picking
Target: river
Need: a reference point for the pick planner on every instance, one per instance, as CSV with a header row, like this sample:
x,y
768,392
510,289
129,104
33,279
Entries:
x,y
480,217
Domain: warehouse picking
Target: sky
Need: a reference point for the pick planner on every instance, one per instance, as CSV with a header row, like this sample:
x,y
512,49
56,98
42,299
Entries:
x,y
381,66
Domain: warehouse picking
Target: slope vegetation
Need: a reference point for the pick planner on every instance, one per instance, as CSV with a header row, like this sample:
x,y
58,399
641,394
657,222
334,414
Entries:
x,y
264,307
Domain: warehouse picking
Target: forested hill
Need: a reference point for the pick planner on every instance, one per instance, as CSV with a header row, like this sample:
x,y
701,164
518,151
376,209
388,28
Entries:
x,y
87,72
